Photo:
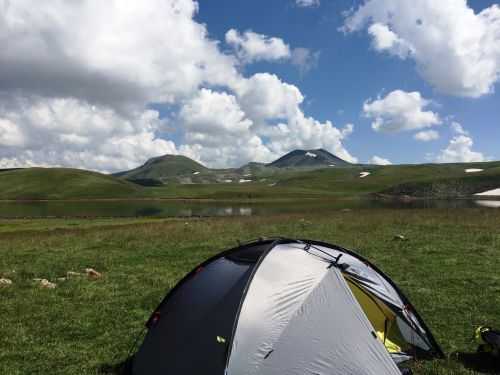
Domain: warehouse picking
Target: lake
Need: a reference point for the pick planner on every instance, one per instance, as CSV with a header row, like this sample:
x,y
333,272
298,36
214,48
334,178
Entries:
x,y
187,208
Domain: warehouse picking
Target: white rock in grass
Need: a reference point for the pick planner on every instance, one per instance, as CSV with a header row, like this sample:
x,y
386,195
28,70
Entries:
x,y
92,273
242,181
5,282
195,173
44,283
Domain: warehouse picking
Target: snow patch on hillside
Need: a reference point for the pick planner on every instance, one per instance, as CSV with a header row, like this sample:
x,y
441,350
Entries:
x,y
494,192
364,174
473,170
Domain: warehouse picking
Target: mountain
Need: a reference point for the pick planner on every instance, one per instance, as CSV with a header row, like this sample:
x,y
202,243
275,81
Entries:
x,y
164,167
309,159
169,169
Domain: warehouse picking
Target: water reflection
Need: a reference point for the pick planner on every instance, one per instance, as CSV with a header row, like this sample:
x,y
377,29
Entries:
x,y
208,209
489,204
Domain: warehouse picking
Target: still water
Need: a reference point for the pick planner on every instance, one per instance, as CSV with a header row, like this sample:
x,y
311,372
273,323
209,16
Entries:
x,y
205,209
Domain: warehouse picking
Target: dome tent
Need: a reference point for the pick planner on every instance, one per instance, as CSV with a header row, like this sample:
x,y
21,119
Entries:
x,y
284,307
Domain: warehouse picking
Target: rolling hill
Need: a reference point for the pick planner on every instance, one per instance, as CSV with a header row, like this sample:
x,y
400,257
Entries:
x,y
63,183
164,167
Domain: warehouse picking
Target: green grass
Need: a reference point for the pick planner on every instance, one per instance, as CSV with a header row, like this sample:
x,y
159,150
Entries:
x,y
448,268
62,183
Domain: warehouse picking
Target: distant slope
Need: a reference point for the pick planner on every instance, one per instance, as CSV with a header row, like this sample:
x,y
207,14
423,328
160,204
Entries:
x,y
446,184
309,159
62,183
164,167
419,181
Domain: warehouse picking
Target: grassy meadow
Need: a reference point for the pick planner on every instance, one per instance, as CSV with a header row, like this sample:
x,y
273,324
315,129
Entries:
x,y
448,267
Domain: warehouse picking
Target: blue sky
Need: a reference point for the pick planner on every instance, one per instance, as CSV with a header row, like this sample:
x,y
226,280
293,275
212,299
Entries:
x,y
349,72
107,85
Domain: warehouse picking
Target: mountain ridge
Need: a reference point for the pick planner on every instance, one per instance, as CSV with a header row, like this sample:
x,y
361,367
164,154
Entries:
x,y
166,168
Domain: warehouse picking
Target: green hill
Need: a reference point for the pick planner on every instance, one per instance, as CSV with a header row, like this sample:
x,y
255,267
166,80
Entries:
x,y
420,181
164,167
63,183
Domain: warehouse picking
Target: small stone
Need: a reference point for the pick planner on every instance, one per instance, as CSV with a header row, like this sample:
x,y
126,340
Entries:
x,y
61,279
44,283
400,237
5,282
92,273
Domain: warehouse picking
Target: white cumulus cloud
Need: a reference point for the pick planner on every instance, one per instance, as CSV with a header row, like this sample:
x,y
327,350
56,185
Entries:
x,y
458,128
251,46
400,111
386,40
460,150
68,132
83,83
109,52
304,59
426,135
377,160
455,49
308,3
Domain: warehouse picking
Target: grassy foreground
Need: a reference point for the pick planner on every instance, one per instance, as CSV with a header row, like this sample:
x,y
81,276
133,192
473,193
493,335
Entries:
x,y
448,268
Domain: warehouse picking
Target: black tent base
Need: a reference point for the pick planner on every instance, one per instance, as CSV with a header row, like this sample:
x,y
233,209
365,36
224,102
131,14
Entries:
x,y
480,362
122,368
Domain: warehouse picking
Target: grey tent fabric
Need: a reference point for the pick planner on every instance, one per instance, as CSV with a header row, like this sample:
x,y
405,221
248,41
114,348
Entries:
x,y
376,284
278,289
364,274
300,317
